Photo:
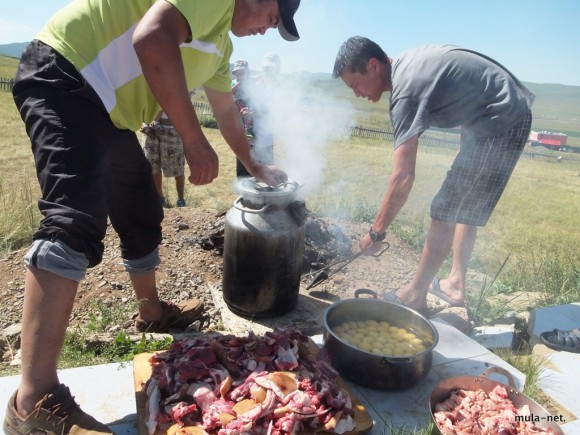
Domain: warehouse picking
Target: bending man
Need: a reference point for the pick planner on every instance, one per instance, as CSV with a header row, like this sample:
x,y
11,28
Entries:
x,y
442,86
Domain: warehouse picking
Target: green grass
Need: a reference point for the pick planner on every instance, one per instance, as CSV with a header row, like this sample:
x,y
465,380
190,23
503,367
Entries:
x,y
532,365
81,348
77,353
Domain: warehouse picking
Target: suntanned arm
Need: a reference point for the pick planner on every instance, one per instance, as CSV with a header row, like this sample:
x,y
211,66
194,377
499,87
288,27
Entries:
x,y
228,118
156,41
398,189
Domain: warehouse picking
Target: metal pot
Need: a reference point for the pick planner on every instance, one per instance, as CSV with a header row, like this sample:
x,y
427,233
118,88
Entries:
x,y
369,369
263,249
472,383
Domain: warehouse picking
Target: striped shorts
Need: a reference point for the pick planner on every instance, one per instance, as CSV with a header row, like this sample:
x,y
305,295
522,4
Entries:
x,y
165,151
478,176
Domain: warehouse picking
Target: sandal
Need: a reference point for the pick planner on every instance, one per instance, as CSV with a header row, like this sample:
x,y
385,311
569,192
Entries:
x,y
177,316
568,341
435,290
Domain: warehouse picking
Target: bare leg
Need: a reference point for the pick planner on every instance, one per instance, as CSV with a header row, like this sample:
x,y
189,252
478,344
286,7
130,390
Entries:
x,y
158,182
145,287
463,243
180,186
437,246
48,303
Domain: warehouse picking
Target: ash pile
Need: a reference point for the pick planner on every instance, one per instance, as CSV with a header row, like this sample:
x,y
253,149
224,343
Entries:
x,y
324,242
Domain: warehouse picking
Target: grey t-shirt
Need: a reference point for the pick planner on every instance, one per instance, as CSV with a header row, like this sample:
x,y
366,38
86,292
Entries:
x,y
446,86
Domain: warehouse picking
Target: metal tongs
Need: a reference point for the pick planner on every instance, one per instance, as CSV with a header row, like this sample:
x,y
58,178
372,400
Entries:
x,y
324,273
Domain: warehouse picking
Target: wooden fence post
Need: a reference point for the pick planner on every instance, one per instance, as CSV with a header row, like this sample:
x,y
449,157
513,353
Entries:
x,y
6,84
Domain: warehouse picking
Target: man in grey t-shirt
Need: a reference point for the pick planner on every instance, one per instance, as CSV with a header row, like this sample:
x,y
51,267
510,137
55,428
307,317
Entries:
x,y
442,86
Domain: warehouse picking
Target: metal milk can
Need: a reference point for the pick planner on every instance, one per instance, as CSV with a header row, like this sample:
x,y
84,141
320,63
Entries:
x,y
263,249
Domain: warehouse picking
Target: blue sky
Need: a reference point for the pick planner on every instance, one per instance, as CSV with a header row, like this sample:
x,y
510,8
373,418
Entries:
x,y
538,40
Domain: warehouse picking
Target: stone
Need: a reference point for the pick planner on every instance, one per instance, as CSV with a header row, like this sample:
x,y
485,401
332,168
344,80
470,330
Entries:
x,y
5,350
565,317
12,330
494,336
16,360
456,317
522,300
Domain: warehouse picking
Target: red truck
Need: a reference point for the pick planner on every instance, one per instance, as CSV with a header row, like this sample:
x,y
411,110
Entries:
x,y
549,140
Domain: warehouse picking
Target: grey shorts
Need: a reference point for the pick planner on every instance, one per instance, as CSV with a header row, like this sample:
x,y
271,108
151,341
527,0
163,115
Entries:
x,y
164,151
479,175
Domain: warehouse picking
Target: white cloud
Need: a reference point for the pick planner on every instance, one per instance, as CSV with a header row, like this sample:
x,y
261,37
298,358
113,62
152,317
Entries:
x,y
14,32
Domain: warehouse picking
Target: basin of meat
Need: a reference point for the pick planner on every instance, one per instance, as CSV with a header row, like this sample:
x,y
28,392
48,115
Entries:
x,y
478,405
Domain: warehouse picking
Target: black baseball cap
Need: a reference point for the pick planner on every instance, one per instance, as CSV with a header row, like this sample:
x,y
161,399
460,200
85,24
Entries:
x,y
287,27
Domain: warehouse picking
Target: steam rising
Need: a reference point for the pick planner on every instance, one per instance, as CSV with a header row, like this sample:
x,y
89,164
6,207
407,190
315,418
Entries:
x,y
303,120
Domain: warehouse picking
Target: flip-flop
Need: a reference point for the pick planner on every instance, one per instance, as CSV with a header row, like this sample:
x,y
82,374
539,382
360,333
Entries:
x,y
435,290
391,296
568,341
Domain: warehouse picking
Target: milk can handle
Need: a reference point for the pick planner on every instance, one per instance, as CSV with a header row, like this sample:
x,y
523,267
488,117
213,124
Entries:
x,y
239,206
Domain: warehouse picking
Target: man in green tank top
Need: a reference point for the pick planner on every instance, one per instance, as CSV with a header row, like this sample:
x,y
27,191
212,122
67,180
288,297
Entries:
x,y
85,84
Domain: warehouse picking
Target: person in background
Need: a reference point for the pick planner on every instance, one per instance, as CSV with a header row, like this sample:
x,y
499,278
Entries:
x,y
241,89
442,86
164,150
81,110
267,86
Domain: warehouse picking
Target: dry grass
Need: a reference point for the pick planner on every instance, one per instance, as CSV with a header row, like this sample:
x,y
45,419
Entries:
x,y
536,219
218,195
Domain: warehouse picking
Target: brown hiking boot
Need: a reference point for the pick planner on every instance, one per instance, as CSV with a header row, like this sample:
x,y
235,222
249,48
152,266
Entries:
x,y
55,414
177,316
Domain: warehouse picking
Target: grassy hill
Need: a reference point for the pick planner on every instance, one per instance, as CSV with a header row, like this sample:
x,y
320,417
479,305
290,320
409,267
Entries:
x,y
8,66
557,108
12,50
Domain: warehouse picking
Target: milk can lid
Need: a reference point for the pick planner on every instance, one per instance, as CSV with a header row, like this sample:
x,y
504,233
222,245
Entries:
x,y
250,188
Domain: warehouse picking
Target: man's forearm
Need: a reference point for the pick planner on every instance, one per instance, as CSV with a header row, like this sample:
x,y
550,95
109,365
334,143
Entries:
x,y
398,190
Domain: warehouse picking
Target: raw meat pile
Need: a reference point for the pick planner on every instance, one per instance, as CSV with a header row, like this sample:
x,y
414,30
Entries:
x,y
475,412
271,384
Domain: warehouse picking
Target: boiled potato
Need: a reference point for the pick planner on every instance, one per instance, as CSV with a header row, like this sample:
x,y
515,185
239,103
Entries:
x,y
380,337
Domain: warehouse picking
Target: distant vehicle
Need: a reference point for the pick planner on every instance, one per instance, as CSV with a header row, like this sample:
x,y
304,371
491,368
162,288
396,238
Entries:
x,y
549,140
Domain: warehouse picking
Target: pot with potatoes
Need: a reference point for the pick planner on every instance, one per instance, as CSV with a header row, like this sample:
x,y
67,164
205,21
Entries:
x,y
378,344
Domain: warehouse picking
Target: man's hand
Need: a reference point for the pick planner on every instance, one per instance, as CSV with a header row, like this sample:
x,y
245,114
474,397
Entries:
x,y
368,247
148,130
203,162
271,175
